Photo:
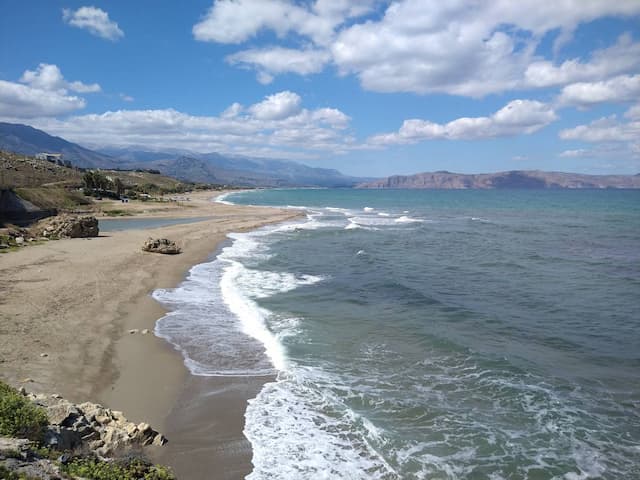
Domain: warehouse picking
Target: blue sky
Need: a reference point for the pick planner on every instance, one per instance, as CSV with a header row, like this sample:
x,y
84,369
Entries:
x,y
372,87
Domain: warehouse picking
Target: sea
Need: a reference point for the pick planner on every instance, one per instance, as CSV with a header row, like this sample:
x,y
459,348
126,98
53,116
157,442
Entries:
x,y
428,334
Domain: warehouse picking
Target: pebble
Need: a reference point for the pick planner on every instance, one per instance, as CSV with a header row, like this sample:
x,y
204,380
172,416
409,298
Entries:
x,y
44,355
145,331
134,330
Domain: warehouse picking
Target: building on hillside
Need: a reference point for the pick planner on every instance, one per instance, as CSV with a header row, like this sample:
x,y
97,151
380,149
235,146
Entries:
x,y
50,157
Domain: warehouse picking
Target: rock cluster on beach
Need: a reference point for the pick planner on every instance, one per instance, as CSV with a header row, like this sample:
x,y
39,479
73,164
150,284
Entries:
x,y
87,430
161,245
103,431
52,228
67,226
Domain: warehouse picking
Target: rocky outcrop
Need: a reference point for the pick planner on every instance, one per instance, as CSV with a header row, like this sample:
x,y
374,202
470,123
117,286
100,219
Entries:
x,y
161,245
18,211
91,426
18,456
68,226
514,179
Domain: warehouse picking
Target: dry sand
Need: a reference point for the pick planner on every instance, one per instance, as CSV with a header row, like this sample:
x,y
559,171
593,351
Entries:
x,y
65,311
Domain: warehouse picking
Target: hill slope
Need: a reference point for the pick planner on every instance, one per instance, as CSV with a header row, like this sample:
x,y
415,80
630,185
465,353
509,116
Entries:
x,y
511,179
30,141
188,166
233,170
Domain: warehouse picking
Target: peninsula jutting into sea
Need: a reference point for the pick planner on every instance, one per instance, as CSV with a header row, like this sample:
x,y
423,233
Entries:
x,y
312,239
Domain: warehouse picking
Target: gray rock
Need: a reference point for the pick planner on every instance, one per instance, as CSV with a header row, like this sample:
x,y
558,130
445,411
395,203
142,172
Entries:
x,y
71,226
161,245
8,444
92,426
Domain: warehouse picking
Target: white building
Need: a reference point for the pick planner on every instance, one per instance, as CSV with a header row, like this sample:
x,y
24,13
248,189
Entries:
x,y
50,157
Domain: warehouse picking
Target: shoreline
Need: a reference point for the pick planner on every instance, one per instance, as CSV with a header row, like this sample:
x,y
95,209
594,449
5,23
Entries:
x,y
89,294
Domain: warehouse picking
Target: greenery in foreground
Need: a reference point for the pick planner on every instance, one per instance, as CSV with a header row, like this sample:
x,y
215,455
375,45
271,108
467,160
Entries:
x,y
6,474
116,470
20,418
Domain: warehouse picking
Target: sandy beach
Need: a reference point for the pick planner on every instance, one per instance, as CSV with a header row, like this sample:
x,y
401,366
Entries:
x,y
66,309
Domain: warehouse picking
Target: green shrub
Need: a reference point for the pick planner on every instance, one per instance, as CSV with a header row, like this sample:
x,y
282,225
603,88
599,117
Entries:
x,y
6,474
93,469
19,417
117,213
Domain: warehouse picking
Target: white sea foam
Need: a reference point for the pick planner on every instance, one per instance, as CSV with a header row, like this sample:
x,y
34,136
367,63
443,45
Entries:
x,y
405,219
214,321
372,220
203,329
221,198
338,210
261,284
300,432
368,209
251,317
384,214
314,221
352,225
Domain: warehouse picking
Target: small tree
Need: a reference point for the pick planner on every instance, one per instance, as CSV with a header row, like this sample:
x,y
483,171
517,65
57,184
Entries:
x,y
119,186
88,179
96,180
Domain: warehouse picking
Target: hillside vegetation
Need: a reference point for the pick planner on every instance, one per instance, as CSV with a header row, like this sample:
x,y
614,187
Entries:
x,y
51,185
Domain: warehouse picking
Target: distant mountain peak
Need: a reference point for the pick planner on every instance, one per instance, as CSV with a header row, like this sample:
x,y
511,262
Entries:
x,y
24,139
190,166
511,179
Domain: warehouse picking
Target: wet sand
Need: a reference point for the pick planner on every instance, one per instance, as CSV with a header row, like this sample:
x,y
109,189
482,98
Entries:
x,y
206,437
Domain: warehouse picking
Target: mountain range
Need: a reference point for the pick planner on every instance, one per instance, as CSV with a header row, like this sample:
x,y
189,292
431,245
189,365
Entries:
x,y
512,179
187,166
260,172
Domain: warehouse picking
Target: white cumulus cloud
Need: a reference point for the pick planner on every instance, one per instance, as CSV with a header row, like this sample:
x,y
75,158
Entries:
x,y
463,48
49,77
610,136
272,61
278,126
43,92
622,57
94,20
624,88
21,101
277,106
236,21
604,130
516,118
455,47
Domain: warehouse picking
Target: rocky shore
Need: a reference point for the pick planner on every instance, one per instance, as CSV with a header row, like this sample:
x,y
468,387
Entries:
x,y
61,433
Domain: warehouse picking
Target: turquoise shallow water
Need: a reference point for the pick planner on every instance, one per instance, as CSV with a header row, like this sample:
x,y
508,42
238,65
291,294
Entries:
x,y
431,334
115,224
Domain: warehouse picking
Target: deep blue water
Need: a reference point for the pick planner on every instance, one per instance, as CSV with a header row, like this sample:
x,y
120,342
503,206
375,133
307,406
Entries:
x,y
432,334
